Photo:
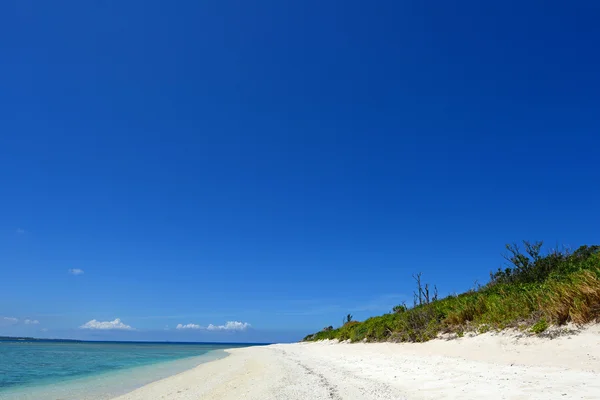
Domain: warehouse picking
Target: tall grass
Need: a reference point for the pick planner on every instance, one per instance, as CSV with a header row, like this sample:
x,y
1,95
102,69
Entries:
x,y
536,291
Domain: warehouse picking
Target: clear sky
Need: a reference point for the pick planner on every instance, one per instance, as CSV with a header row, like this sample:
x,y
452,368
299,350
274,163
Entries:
x,y
282,164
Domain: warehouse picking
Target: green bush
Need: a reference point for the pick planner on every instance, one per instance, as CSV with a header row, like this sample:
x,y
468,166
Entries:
x,y
540,290
539,326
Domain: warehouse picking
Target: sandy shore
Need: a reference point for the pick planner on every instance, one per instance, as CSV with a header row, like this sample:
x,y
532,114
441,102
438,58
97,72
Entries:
x,y
490,366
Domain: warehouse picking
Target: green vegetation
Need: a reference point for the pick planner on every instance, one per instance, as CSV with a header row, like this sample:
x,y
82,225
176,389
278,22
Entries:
x,y
534,292
539,326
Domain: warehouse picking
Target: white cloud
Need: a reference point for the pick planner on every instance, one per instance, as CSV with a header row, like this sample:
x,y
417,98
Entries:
x,y
76,271
44,329
20,231
229,326
106,325
188,326
31,322
6,321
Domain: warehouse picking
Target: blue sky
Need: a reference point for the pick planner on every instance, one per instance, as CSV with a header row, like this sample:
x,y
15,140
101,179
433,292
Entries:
x,y
281,164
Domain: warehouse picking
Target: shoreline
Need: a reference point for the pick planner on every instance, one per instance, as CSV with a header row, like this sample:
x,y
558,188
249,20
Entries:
x,y
110,384
491,365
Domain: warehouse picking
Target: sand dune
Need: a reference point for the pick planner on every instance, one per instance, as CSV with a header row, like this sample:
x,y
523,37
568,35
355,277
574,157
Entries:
x,y
490,366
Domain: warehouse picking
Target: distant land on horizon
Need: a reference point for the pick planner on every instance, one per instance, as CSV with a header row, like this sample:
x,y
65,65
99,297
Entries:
x,y
7,338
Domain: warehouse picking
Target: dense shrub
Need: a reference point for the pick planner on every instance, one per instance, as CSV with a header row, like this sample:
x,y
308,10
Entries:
x,y
532,267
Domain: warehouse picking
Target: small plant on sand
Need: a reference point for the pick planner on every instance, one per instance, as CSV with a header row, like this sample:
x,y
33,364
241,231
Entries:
x,y
539,326
483,328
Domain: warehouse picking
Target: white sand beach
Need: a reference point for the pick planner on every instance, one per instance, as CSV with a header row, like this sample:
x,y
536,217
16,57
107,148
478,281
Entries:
x,y
490,366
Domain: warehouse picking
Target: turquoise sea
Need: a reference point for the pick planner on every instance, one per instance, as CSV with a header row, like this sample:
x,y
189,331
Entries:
x,y
44,370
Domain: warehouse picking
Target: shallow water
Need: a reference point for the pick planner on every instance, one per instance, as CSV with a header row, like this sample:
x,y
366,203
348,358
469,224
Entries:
x,y
93,370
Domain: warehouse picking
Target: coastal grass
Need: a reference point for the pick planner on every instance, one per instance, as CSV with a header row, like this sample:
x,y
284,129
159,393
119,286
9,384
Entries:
x,y
538,291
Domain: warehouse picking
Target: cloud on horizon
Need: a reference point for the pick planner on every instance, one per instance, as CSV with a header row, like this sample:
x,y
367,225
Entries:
x,y
188,326
31,322
8,321
107,325
229,326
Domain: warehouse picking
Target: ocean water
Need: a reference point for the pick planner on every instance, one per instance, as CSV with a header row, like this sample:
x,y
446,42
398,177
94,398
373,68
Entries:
x,y
44,370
